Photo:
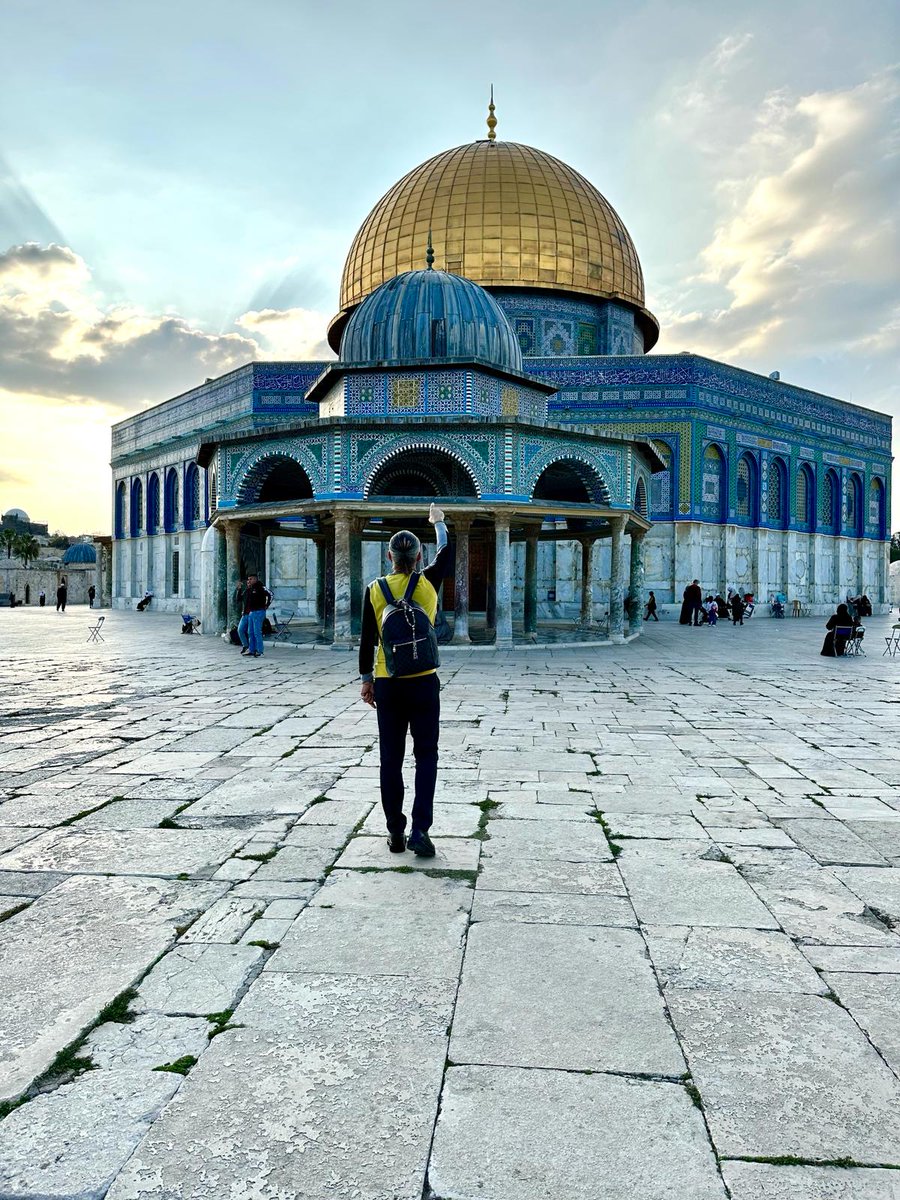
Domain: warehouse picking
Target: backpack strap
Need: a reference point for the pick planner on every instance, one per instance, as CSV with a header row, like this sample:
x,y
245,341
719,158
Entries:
x,y
411,586
386,591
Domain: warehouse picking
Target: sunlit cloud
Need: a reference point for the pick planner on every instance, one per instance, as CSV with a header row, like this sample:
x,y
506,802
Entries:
x,y
293,333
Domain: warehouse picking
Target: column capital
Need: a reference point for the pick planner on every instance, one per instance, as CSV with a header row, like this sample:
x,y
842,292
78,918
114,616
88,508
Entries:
x,y
502,520
638,535
617,522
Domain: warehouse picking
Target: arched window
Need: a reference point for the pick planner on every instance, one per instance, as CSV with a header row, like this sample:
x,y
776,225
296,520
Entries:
x,y
806,496
776,494
640,498
854,506
714,492
153,504
170,509
137,507
876,507
661,485
747,499
192,517
830,504
120,509
212,490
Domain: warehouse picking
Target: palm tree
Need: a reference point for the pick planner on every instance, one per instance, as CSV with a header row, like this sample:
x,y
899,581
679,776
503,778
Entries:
x,y
8,539
27,548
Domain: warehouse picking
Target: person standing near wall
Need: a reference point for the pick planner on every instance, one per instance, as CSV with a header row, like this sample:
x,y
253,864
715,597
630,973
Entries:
x,y
92,592
62,593
42,598
408,702
257,599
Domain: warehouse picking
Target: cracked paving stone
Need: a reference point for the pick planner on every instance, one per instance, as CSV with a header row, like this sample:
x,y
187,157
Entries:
x,y
747,960
70,1144
788,1076
759,1181
93,938
198,979
581,999
165,852
147,1041
512,1134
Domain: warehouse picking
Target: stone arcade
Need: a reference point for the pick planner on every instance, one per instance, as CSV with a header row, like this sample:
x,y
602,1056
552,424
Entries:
x,y
509,378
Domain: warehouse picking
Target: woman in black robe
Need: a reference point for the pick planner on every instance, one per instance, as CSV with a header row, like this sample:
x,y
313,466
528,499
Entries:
x,y
833,646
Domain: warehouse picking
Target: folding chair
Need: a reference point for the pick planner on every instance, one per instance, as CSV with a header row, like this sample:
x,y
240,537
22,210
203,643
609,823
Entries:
x,y
95,635
282,627
892,641
855,646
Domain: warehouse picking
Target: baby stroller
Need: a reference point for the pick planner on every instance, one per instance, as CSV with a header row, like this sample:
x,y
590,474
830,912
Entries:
x,y
189,624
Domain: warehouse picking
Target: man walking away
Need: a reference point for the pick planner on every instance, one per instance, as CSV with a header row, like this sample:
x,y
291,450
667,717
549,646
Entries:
x,y
61,594
405,702
92,592
650,614
257,599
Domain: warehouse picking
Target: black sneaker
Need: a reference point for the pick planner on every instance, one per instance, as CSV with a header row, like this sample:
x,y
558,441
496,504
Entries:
x,y
246,650
396,843
421,844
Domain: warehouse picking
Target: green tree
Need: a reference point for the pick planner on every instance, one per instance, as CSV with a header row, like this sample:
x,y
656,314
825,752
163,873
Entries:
x,y
27,548
8,540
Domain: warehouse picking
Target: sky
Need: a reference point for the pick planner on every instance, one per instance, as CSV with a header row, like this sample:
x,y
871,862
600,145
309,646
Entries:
x,y
180,184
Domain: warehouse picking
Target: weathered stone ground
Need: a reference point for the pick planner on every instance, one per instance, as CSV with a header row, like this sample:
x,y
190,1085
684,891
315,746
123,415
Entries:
x,y
657,957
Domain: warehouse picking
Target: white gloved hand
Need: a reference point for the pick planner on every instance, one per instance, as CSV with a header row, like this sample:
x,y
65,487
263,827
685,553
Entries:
x,y
435,514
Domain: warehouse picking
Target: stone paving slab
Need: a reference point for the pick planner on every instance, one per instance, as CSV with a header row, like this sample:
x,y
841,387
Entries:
x,y
873,1000
71,1144
552,908
511,1134
146,1042
194,980
95,937
581,999
816,906
384,923
757,1181
452,854
746,960
540,875
361,1086
165,852
788,1076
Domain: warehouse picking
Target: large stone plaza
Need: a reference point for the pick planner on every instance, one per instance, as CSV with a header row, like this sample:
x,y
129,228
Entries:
x,y
656,958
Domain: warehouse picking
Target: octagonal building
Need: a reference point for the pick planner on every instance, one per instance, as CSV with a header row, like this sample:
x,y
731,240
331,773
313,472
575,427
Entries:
x,y
493,348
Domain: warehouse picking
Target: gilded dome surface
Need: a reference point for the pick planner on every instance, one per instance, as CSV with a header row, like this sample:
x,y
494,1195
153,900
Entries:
x,y
504,215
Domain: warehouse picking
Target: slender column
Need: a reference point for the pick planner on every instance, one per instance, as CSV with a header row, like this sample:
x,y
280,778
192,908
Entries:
x,y
503,578
636,584
586,619
357,525
343,556
617,581
328,554
232,568
321,557
531,556
461,590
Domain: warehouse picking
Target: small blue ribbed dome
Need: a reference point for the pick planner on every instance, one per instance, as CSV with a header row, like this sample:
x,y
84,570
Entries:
x,y
430,314
81,552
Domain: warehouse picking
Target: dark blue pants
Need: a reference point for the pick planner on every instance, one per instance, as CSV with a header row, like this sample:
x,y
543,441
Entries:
x,y
414,706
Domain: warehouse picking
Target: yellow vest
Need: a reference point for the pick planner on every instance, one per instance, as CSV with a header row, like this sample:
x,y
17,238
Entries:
x,y
424,595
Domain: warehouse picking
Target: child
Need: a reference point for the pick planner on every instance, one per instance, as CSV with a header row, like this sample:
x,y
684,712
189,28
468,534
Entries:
x,y
712,612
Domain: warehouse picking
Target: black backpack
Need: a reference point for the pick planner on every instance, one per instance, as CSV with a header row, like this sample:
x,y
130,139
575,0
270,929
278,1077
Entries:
x,y
407,634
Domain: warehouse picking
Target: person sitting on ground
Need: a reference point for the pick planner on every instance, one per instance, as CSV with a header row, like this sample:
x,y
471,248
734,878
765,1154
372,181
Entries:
x,y
835,643
722,606
865,606
405,701
142,604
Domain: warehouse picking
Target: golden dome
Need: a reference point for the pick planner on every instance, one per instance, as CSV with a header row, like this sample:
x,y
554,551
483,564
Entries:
x,y
503,215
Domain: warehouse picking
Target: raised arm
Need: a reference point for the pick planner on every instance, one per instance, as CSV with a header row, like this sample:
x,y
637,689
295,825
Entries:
x,y
439,569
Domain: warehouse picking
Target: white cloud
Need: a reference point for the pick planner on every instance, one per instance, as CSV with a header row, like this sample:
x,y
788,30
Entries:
x,y
803,258
57,338
293,333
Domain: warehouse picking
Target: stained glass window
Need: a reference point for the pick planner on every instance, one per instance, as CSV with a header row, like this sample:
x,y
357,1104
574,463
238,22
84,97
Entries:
x,y
744,480
713,484
775,494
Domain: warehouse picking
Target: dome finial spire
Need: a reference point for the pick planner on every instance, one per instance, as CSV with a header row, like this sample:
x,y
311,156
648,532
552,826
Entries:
x,y
492,120
429,254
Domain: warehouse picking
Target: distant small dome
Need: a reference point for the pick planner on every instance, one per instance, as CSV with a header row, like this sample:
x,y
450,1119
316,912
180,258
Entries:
x,y
17,514
430,314
81,552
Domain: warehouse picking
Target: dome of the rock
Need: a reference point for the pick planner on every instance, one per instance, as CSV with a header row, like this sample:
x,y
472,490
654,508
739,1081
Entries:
x,y
506,216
